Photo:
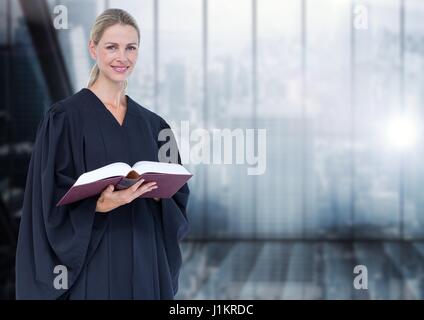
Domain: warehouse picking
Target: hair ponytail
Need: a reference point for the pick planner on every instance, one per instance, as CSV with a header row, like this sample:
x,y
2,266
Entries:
x,y
94,75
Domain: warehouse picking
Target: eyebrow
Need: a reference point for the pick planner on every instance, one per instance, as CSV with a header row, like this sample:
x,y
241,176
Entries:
x,y
132,43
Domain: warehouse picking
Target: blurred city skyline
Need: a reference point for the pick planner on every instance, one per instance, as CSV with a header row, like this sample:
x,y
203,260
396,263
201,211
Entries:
x,y
322,89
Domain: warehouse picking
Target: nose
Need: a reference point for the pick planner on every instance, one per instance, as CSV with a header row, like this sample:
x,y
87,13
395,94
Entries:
x,y
122,55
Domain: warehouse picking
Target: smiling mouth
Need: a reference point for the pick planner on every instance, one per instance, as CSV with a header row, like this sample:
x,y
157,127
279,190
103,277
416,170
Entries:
x,y
120,69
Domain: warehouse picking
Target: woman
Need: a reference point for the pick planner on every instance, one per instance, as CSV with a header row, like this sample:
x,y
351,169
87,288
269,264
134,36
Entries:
x,y
112,246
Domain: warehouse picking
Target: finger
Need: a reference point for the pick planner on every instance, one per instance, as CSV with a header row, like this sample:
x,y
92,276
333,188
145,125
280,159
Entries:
x,y
142,190
148,184
144,185
127,193
146,189
135,186
109,189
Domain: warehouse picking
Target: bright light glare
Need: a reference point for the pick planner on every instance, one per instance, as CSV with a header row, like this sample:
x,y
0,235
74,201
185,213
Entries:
x,y
402,132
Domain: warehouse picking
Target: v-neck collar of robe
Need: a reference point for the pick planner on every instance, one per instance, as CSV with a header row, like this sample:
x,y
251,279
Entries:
x,y
102,106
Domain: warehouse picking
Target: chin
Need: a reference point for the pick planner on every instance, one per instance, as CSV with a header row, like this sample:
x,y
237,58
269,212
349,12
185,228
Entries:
x,y
117,79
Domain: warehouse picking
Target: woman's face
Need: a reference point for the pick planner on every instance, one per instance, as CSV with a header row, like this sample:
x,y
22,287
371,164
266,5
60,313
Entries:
x,y
116,53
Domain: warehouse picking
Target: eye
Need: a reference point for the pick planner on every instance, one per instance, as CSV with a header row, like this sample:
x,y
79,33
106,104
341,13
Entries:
x,y
111,47
132,48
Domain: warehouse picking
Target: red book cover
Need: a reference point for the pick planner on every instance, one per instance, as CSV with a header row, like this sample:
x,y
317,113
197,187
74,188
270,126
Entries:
x,y
168,177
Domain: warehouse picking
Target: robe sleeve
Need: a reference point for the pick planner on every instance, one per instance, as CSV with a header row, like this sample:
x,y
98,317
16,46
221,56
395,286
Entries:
x,y
175,224
51,236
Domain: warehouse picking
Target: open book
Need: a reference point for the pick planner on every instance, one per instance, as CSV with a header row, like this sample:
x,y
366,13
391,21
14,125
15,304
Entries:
x,y
169,178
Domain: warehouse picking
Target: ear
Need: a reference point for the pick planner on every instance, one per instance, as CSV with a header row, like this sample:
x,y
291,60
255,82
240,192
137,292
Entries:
x,y
92,49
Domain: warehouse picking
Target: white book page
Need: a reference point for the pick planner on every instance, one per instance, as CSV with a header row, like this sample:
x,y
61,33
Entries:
x,y
159,167
111,170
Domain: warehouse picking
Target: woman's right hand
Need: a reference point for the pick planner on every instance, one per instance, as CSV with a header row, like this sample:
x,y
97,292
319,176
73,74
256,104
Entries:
x,y
109,199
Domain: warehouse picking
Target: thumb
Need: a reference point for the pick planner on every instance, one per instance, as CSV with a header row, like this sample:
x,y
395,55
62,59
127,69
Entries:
x,y
111,187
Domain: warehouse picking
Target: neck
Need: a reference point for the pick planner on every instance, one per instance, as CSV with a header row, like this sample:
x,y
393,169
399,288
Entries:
x,y
109,91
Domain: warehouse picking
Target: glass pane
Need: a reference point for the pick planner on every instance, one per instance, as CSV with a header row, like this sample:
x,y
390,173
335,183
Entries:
x,y
377,99
28,93
414,102
180,100
74,40
327,137
229,104
279,189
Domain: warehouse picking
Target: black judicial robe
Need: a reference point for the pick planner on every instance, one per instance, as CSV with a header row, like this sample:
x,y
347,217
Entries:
x,y
131,252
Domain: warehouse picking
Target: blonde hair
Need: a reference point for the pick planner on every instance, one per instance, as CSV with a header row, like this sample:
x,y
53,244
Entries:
x,y
109,18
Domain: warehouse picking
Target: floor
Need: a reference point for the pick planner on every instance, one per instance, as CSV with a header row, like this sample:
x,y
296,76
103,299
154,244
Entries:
x,y
301,270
